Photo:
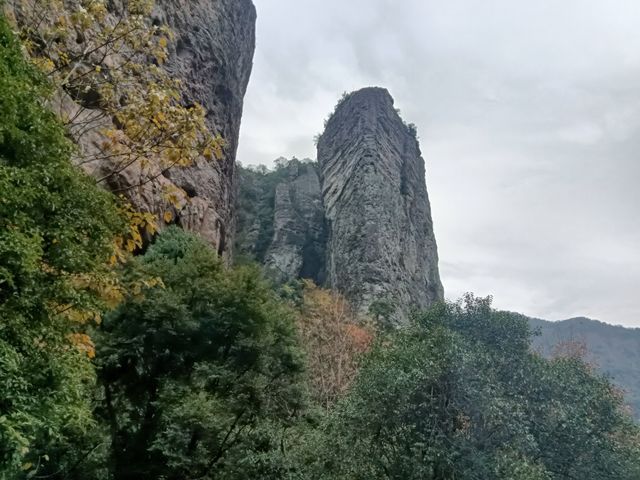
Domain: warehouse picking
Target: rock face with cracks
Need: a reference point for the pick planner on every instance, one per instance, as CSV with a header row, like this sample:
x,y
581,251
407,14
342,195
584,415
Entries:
x,y
381,245
297,249
358,220
213,56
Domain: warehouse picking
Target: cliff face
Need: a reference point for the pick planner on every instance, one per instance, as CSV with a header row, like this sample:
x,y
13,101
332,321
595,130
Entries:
x,y
358,221
213,56
281,220
381,245
298,243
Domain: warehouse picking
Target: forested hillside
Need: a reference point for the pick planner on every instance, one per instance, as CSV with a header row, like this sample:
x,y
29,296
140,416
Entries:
x,y
614,350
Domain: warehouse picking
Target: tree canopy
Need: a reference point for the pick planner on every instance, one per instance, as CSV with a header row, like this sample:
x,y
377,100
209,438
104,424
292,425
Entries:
x,y
460,395
199,371
56,235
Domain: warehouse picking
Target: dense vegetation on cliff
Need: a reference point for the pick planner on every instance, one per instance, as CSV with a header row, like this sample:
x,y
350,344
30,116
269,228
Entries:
x,y
198,371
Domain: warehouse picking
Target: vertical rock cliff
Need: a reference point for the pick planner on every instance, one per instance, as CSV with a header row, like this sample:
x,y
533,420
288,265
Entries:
x,y
358,220
297,248
281,220
381,244
213,56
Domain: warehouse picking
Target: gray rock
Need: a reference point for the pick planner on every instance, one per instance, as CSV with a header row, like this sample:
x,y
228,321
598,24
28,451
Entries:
x,y
381,244
213,56
358,221
297,247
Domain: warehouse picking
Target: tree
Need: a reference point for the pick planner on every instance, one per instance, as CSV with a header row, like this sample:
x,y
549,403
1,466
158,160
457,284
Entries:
x,y
56,235
199,373
459,395
334,339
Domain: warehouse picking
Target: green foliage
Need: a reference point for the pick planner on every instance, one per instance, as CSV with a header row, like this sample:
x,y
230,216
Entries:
x,y
614,349
199,368
56,231
106,56
381,311
413,130
459,395
199,373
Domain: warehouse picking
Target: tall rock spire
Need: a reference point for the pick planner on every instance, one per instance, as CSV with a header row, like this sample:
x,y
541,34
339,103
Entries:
x,y
381,245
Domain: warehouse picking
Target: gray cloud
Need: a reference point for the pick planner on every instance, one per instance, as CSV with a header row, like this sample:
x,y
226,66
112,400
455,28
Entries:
x,y
529,118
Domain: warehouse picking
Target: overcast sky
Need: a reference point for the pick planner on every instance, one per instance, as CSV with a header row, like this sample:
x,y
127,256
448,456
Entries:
x,y
528,113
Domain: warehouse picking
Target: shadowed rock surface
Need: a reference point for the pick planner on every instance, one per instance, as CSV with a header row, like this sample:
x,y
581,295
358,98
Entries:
x,y
297,249
281,220
213,55
381,245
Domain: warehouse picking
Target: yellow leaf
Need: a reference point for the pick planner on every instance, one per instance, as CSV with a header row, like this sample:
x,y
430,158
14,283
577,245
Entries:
x,y
84,343
168,216
151,226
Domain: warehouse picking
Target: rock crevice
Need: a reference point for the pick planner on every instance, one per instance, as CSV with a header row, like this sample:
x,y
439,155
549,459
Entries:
x,y
213,57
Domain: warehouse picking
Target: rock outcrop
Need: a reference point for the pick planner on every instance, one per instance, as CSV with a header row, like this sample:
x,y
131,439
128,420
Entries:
x,y
381,244
358,221
298,243
281,220
213,56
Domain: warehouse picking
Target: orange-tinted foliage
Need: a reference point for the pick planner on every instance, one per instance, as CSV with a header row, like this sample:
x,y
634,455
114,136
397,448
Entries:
x,y
570,349
334,338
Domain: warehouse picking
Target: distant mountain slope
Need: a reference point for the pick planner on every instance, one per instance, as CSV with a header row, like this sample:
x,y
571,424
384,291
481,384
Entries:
x,y
615,350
